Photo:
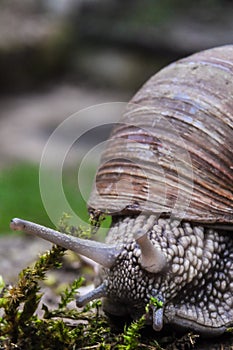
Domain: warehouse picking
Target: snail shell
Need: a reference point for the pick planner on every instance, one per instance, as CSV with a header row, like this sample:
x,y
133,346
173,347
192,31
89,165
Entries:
x,y
171,154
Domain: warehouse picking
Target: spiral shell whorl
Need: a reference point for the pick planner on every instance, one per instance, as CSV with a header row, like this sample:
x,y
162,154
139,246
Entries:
x,y
172,152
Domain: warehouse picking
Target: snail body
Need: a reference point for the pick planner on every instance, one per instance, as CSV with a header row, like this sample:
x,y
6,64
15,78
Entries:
x,y
166,179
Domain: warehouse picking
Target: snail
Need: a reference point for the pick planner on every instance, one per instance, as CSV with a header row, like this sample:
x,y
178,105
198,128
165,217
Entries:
x,y
166,179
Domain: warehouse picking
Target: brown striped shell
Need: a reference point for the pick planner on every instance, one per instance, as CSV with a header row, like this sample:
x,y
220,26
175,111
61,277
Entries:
x,y
172,152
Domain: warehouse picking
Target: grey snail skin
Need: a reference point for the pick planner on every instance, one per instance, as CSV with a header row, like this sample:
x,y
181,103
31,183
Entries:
x,y
166,179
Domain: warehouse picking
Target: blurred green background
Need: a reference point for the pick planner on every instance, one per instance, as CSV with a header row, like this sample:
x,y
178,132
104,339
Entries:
x,y
60,56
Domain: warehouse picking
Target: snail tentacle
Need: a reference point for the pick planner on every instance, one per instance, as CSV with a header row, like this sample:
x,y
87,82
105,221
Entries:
x,y
152,259
102,253
157,312
99,292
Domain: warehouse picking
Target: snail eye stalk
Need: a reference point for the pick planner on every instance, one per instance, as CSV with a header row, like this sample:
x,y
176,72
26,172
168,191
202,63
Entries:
x,y
99,292
152,259
101,253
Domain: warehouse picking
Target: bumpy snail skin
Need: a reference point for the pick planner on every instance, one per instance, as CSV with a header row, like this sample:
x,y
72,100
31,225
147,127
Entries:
x,y
197,286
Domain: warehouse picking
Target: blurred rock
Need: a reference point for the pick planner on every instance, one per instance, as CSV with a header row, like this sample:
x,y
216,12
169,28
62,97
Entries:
x,y
114,68
112,44
169,27
33,45
12,254
28,120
